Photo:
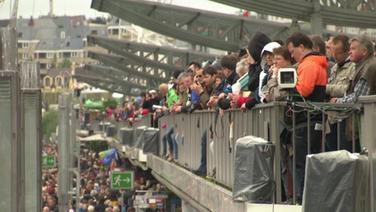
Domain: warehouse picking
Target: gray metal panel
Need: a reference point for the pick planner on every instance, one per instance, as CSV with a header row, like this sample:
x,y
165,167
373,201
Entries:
x,y
368,140
33,149
11,188
195,189
65,102
8,48
30,77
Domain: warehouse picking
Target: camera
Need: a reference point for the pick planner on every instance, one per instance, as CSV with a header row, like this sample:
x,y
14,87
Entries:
x,y
287,78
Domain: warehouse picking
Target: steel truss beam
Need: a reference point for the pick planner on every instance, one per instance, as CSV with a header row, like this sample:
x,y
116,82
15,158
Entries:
x,y
132,57
111,75
107,86
120,63
216,30
171,56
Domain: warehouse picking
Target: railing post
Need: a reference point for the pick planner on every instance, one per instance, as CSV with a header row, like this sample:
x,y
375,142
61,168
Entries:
x,y
11,186
63,145
31,103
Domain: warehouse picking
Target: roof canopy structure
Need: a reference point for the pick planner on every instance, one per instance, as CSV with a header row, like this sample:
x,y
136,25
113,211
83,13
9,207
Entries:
x,y
192,25
142,63
352,13
108,85
136,71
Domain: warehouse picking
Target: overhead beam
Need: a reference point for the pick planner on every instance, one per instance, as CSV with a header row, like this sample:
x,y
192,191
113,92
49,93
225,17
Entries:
x,y
111,74
149,48
120,64
106,86
127,10
133,58
345,14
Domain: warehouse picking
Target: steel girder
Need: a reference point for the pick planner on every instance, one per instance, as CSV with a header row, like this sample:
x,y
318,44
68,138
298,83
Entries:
x,y
216,30
136,72
135,59
107,85
171,56
353,13
113,75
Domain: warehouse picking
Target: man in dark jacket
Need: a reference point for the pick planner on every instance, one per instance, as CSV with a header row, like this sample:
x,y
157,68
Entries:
x,y
254,49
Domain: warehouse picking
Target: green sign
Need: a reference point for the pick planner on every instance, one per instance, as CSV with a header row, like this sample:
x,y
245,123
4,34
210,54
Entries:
x,y
122,180
48,161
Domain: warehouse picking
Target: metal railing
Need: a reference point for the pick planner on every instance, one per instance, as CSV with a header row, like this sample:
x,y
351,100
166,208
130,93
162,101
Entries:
x,y
222,132
267,121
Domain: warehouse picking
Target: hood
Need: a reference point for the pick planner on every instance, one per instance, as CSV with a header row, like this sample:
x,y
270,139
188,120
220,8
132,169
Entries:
x,y
270,47
256,45
317,58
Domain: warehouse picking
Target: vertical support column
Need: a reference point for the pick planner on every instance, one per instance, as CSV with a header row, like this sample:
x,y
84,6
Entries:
x,y
317,24
8,48
11,194
31,104
63,145
368,138
72,143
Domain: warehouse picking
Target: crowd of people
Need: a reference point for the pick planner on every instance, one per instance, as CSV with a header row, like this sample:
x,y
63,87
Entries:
x,y
337,70
95,186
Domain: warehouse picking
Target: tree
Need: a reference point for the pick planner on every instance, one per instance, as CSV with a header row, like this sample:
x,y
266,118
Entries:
x,y
66,64
49,122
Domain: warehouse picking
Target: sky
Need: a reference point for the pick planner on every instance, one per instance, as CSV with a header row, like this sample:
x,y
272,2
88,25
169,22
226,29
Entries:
x,y
37,8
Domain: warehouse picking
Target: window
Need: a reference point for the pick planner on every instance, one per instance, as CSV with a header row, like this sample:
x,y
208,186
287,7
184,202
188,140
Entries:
x,y
43,66
25,45
42,55
115,31
50,55
62,35
66,55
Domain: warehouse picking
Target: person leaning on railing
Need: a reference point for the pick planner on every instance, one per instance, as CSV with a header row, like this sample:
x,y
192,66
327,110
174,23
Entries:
x,y
312,80
282,59
364,80
339,81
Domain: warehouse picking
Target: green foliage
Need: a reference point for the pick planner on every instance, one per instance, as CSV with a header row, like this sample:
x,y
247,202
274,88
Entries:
x,y
110,103
49,122
97,146
66,64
